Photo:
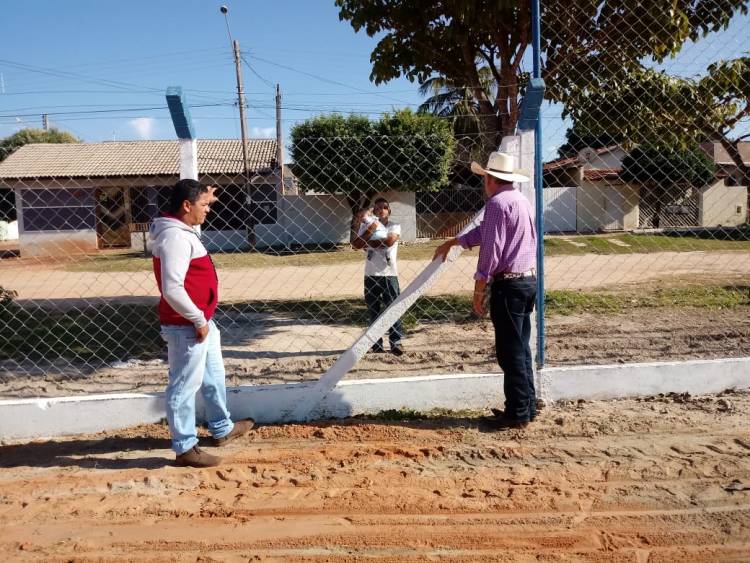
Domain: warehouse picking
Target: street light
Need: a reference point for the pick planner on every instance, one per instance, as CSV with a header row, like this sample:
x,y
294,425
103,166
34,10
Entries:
x,y
240,91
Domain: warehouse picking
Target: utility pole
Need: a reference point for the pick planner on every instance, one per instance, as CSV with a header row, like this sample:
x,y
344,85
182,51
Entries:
x,y
240,93
241,102
279,140
45,122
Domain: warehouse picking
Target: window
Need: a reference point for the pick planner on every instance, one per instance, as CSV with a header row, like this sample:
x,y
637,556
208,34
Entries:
x,y
263,204
143,204
58,209
230,212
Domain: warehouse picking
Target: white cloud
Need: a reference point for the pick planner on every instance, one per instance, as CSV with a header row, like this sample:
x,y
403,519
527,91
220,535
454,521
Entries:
x,y
143,126
263,132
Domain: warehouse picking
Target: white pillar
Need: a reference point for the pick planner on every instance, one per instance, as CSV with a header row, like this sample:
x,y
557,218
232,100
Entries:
x,y
188,159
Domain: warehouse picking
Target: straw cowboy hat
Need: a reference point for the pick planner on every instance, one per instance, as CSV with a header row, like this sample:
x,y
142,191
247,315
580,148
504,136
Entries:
x,y
500,165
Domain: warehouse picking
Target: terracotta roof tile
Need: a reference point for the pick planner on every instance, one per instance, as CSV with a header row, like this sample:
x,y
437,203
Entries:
x,y
132,158
601,173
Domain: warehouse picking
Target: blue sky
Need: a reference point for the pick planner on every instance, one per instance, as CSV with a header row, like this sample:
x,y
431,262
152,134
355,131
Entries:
x,y
85,55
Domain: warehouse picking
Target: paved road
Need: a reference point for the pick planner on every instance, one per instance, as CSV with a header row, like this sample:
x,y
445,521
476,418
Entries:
x,y
585,271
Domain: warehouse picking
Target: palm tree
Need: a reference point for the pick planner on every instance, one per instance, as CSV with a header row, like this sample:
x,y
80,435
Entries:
x,y
457,103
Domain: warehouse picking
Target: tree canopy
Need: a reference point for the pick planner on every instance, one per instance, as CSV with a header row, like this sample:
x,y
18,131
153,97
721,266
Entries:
x,y
660,166
30,135
653,108
18,139
584,43
357,157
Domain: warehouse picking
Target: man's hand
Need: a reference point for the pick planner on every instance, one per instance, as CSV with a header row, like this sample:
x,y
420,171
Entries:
x,y
443,249
371,228
213,198
359,217
201,333
478,305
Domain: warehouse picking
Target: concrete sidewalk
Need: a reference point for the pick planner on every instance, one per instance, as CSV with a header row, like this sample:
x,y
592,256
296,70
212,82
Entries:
x,y
586,271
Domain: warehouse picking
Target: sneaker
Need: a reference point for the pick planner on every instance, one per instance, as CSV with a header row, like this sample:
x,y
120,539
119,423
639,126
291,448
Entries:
x,y
196,457
397,350
241,427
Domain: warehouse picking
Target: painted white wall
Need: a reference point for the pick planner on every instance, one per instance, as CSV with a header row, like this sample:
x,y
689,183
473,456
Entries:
x,y
606,205
226,241
589,207
404,211
8,230
307,219
607,160
719,204
325,219
560,209
61,243
26,419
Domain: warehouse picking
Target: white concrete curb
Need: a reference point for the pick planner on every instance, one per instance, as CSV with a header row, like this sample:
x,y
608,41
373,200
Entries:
x,y
43,418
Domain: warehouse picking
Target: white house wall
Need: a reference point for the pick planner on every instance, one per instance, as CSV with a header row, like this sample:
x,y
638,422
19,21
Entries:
x,y
560,209
603,205
722,205
589,207
218,240
307,219
611,159
404,211
326,219
62,243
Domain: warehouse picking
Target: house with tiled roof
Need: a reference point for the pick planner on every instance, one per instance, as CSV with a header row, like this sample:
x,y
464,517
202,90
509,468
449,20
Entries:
x,y
83,197
585,193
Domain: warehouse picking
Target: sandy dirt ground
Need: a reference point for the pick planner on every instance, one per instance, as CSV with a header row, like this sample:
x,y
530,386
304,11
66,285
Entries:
x,y
665,479
266,349
45,282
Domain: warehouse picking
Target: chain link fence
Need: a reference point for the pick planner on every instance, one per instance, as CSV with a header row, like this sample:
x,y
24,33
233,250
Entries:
x,y
647,243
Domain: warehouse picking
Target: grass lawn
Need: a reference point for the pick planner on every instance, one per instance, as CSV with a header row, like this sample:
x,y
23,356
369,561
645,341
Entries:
x,y
118,332
554,246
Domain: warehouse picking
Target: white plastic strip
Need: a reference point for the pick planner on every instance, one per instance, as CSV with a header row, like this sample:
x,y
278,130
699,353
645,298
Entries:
x,y
302,409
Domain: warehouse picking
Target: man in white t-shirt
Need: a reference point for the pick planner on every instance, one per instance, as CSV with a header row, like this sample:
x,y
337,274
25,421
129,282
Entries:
x,y
381,271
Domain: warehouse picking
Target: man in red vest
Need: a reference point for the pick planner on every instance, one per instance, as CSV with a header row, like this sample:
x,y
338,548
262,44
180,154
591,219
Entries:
x,y
189,291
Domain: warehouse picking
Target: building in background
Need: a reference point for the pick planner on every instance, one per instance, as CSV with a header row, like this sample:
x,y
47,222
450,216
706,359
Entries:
x,y
83,197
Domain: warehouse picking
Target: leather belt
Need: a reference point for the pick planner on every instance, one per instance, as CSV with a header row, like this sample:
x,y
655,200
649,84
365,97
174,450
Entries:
x,y
515,275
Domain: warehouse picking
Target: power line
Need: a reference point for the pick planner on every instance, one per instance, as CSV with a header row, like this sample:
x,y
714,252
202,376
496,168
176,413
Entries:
x,y
119,110
267,82
62,74
321,78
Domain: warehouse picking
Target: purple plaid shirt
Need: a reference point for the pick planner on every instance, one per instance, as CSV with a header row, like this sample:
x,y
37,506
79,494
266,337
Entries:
x,y
506,237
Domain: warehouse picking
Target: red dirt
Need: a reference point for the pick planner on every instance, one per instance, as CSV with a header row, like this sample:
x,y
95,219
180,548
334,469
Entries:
x,y
665,479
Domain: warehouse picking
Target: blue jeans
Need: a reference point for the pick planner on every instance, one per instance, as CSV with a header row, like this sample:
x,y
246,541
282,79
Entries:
x,y
511,305
192,366
380,292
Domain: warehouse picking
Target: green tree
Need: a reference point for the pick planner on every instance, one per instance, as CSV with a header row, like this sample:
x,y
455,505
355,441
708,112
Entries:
x,y
358,158
653,108
18,139
30,135
456,103
689,167
583,43
667,173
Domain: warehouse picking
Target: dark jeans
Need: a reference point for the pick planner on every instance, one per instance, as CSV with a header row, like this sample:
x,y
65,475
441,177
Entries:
x,y
381,291
511,305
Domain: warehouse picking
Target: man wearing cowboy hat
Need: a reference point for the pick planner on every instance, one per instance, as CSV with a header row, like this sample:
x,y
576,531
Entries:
x,y
506,270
